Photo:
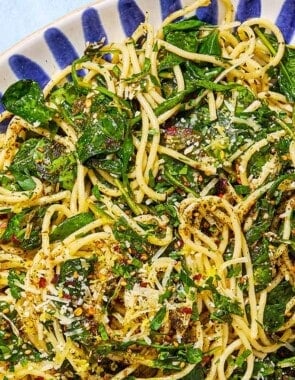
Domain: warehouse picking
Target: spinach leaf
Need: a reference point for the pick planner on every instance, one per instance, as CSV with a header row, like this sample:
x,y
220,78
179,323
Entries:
x,y
209,85
46,160
102,137
25,99
112,346
73,281
127,271
186,280
287,74
277,299
261,265
70,104
109,133
224,307
63,170
23,161
168,208
129,240
25,182
70,225
194,355
171,357
15,349
257,231
158,319
258,160
188,24
182,34
74,275
14,280
210,44
286,77
17,232
196,373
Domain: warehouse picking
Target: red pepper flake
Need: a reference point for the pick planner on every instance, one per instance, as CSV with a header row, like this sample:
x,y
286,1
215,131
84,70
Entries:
x,y
66,296
144,284
206,360
55,279
179,243
221,187
171,131
14,239
42,282
186,310
197,277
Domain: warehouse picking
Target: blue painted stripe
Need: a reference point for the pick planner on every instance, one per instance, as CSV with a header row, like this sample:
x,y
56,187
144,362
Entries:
x,y
247,9
4,124
2,108
286,19
131,15
25,68
92,26
61,47
209,14
169,6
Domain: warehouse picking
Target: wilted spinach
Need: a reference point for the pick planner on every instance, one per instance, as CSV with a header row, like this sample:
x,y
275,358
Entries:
x,y
25,99
277,299
17,231
15,279
46,160
70,225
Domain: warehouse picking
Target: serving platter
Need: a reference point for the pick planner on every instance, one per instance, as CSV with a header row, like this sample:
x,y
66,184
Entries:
x,y
55,46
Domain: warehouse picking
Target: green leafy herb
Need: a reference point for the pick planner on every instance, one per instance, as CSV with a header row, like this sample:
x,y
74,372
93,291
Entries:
x,y
287,74
186,280
274,312
130,240
225,307
15,279
103,332
158,319
46,160
210,44
240,360
196,374
70,225
17,232
183,35
25,99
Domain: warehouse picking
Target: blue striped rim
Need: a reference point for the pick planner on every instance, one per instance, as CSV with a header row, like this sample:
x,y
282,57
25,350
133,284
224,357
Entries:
x,y
131,15
4,124
61,47
25,68
168,7
209,14
92,26
247,9
286,19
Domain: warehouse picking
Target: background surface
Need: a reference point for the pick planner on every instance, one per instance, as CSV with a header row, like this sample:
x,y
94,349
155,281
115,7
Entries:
x,y
19,18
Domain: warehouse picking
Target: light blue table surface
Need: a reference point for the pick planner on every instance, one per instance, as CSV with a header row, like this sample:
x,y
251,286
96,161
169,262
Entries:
x,y
19,18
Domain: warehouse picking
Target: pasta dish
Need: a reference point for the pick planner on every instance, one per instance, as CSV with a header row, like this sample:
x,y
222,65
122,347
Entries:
x,y
147,208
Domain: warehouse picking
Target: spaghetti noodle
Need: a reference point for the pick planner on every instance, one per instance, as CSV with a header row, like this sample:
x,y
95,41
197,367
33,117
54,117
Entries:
x,y
147,196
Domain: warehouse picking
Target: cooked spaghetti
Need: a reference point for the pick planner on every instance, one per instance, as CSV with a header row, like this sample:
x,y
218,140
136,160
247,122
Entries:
x,y
146,199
